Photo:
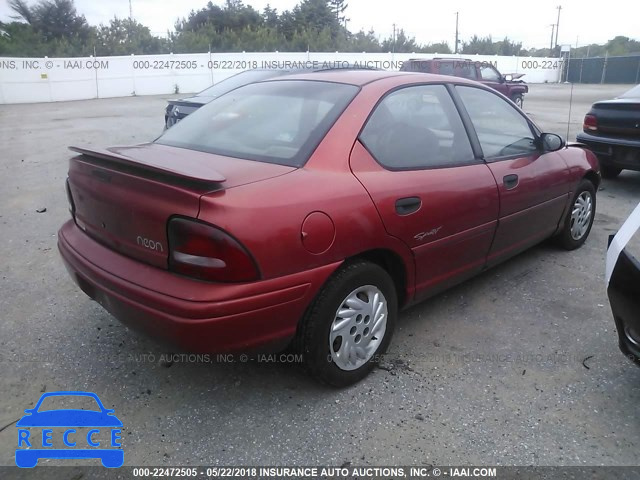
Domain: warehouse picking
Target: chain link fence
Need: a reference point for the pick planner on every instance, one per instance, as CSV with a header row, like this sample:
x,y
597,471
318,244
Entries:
x,y
625,69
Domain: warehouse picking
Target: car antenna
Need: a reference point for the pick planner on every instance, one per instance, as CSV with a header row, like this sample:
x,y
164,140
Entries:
x,y
569,119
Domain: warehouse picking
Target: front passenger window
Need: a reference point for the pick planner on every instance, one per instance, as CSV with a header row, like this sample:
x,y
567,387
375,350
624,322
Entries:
x,y
489,73
501,129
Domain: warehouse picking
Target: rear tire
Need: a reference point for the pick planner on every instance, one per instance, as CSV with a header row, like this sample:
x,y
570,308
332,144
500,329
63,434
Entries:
x,y
349,325
579,219
609,172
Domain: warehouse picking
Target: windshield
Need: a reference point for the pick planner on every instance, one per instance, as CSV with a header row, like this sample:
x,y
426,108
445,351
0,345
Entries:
x,y
239,80
69,402
633,93
276,122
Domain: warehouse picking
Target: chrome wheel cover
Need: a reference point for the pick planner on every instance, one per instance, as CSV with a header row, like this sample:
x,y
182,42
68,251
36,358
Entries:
x,y
581,215
358,327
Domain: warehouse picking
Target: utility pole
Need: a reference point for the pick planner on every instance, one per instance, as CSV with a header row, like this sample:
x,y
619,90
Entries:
x,y
393,47
455,49
551,42
558,24
130,22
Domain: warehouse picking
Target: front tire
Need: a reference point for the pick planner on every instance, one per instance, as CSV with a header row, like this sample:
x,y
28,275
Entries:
x,y
579,219
518,100
350,324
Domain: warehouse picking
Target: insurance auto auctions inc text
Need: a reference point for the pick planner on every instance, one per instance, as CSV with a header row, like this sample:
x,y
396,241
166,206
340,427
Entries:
x,y
350,472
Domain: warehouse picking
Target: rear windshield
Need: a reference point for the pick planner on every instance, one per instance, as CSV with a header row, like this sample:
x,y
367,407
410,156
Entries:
x,y
238,80
277,122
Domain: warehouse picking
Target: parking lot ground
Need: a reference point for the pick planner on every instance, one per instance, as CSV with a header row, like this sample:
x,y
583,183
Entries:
x,y
519,366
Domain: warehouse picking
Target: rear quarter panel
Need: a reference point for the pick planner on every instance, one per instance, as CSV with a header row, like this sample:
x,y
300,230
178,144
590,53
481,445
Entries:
x,y
267,218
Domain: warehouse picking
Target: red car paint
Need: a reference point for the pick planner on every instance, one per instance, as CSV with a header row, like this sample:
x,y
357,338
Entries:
x,y
298,224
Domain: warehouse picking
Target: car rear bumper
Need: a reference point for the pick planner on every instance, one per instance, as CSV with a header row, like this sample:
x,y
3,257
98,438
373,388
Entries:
x,y
191,315
608,148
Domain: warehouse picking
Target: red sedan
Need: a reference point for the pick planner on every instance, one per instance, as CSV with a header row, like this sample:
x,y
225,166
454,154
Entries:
x,y
309,209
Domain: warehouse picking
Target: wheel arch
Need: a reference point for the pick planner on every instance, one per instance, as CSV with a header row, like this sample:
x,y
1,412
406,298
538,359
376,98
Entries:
x,y
393,264
389,261
594,178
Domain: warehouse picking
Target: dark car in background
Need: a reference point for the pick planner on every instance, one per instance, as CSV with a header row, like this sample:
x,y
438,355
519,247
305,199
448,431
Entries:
x,y
509,85
611,130
178,109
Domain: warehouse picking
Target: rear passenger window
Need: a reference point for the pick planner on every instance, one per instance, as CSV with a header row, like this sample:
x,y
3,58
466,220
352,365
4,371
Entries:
x,y
466,69
417,127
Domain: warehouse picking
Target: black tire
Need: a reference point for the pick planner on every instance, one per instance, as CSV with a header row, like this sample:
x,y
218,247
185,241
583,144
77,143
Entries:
x,y
565,238
609,172
518,99
314,335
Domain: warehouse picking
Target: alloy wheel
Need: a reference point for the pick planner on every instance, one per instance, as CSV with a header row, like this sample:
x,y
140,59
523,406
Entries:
x,y
358,327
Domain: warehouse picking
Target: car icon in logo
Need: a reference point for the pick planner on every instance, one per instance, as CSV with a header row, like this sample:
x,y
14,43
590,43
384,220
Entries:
x,y
82,432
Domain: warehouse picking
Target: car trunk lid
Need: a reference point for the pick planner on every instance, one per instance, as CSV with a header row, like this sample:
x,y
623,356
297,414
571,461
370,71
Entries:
x,y
619,117
123,197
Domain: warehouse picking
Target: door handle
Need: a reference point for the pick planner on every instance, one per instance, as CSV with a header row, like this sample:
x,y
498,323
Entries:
x,y
510,181
407,205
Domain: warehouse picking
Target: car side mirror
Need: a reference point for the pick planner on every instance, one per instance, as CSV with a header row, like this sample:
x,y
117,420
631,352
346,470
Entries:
x,y
508,77
551,142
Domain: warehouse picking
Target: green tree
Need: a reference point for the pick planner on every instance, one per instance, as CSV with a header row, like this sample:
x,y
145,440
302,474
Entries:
x,y
127,36
20,39
439,47
53,19
401,43
338,7
479,45
315,15
363,42
507,47
622,46
270,16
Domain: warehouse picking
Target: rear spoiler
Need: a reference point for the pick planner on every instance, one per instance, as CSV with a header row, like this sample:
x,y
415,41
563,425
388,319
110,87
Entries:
x,y
145,162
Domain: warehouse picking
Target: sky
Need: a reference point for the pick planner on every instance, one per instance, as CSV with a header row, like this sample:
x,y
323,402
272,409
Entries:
x,y
581,22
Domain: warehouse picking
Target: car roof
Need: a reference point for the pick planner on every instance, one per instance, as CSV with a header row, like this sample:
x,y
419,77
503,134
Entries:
x,y
363,77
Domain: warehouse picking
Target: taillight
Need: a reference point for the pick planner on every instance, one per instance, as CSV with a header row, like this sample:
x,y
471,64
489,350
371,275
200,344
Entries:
x,y
590,123
202,251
